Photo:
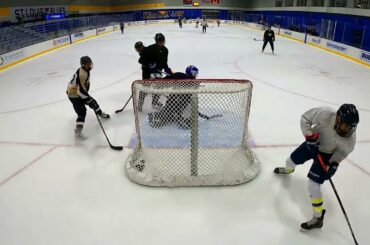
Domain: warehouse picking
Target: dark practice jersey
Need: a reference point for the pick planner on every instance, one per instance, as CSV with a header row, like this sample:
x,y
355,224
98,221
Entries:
x,y
269,35
144,61
178,75
154,54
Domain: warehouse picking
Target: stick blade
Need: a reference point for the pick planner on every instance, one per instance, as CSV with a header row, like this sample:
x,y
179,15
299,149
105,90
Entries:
x,y
116,148
215,116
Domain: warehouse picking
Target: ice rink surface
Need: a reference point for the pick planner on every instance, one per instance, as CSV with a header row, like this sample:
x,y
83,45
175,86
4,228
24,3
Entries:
x,y
55,192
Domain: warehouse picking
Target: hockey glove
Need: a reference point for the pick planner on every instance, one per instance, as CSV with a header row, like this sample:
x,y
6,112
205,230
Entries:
x,y
153,67
312,142
331,170
91,102
155,76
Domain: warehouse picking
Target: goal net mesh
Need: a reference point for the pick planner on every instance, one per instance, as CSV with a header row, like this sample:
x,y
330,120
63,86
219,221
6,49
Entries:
x,y
191,133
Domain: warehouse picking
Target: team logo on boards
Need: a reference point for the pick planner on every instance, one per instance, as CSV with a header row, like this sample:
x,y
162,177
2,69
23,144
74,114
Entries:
x,y
365,56
316,40
80,34
12,56
336,47
60,41
100,30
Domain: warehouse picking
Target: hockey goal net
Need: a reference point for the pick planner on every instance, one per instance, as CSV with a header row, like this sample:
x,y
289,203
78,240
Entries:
x,y
191,133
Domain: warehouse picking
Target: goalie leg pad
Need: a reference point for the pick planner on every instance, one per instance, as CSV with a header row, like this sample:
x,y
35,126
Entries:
x,y
156,119
184,123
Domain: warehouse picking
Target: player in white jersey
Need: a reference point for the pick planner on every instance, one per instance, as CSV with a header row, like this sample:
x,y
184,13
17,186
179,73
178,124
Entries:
x,y
204,25
197,22
330,136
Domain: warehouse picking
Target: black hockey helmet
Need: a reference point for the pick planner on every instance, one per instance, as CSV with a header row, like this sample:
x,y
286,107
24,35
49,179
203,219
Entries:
x,y
139,45
85,60
159,37
348,114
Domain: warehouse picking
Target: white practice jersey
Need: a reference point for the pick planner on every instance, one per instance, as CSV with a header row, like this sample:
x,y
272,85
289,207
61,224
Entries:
x,y
321,120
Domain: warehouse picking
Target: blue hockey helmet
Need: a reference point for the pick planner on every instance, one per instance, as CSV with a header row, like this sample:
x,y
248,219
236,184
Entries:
x,y
192,71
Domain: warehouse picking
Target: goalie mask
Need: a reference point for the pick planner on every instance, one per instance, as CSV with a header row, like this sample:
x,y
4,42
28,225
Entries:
x,y
347,120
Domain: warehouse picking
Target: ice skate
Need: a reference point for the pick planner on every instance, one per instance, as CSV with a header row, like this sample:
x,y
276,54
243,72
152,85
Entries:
x,y
314,223
79,135
283,170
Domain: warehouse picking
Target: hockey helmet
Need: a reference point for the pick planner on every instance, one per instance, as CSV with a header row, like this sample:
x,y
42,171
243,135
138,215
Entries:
x,y
192,71
159,37
86,60
139,45
347,114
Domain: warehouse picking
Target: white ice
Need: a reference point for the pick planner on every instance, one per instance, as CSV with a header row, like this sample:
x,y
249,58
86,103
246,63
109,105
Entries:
x,y
54,192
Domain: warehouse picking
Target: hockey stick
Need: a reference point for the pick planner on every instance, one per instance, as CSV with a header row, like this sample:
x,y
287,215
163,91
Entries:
x,y
259,40
339,200
116,148
209,117
118,111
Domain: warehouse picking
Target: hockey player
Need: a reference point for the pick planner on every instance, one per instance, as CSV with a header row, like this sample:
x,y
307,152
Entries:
x,y
173,110
180,22
268,37
122,27
218,22
139,47
204,25
78,94
154,58
330,137
197,22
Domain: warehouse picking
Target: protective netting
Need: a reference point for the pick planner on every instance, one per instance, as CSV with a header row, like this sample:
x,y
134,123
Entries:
x,y
191,133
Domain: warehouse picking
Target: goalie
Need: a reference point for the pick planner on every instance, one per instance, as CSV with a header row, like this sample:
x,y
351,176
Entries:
x,y
175,108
